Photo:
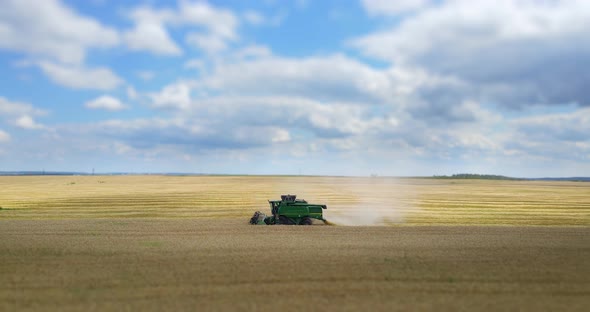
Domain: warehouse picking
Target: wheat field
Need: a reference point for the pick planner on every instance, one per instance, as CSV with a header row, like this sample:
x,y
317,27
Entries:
x,y
370,200
176,243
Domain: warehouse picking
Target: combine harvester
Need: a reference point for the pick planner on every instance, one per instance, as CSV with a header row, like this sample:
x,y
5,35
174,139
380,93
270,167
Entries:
x,y
290,210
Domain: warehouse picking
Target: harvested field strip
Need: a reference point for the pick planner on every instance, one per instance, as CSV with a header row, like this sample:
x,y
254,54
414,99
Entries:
x,y
147,264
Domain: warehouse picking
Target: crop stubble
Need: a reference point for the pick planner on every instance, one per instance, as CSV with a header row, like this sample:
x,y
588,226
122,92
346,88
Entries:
x,y
157,264
154,243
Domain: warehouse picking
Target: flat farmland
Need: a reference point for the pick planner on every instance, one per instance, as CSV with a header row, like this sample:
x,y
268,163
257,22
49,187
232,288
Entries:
x,y
369,201
183,243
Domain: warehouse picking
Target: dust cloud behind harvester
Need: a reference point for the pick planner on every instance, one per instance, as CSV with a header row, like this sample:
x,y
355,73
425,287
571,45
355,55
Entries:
x,y
356,201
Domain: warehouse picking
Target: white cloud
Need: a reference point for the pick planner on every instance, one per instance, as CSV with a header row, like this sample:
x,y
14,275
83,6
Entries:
x,y
572,126
220,25
51,29
211,28
330,77
389,7
182,133
80,77
219,22
555,137
449,63
211,44
280,136
27,122
225,112
507,52
4,136
105,102
334,98
8,108
57,38
175,96
149,32
21,114
463,27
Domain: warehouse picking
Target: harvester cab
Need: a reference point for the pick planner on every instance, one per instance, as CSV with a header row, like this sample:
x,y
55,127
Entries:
x,y
290,210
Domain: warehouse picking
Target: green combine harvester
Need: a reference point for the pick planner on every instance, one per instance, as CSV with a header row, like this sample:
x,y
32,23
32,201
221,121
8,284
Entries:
x,y
290,210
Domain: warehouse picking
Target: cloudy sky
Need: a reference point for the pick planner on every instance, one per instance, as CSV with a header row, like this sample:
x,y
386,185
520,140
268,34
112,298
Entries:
x,y
412,87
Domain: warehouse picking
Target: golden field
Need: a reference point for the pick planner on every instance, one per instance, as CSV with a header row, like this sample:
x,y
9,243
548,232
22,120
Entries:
x,y
374,200
153,243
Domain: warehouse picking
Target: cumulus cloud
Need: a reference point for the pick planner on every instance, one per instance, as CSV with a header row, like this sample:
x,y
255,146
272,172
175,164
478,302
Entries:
x,y
173,96
337,101
447,76
105,102
27,122
508,52
304,115
81,77
320,118
218,21
10,108
149,32
51,29
60,37
474,26
562,127
219,26
210,28
184,133
334,77
21,114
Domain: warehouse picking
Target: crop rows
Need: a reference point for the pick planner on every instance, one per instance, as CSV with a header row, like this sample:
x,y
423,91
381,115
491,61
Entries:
x,y
381,200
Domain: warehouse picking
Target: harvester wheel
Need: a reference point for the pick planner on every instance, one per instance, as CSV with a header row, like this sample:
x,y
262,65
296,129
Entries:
x,y
306,221
285,220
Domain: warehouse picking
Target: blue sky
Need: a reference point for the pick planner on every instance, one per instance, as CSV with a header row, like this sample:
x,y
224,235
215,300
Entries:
x,y
412,87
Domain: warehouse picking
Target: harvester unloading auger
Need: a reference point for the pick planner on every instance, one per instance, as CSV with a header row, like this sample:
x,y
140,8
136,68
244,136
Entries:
x,y
290,210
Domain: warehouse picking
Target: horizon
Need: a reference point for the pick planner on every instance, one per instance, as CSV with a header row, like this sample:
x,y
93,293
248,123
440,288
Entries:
x,y
451,176
412,88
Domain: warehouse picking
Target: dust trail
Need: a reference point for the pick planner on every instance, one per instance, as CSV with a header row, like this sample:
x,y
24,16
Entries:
x,y
372,201
356,200
328,222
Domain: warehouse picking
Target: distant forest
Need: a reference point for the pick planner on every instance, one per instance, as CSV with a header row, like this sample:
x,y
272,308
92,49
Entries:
x,y
475,176
500,177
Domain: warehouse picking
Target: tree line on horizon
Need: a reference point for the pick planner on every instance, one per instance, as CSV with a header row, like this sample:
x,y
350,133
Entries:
x,y
474,176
